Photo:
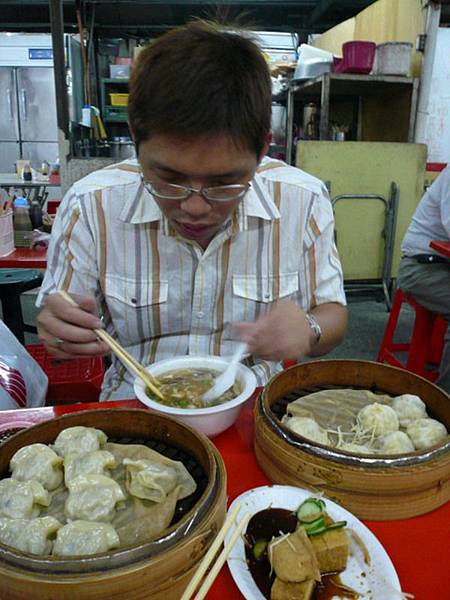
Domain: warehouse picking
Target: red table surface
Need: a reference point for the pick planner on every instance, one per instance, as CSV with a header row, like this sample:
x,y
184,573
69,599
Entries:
x,y
441,247
25,258
419,547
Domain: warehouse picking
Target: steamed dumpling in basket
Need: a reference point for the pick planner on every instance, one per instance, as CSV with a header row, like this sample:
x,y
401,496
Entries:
x,y
22,499
38,462
93,498
79,440
79,538
425,433
29,535
409,408
306,427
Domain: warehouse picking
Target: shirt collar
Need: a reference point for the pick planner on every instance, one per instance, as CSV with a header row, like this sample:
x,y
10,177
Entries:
x,y
140,206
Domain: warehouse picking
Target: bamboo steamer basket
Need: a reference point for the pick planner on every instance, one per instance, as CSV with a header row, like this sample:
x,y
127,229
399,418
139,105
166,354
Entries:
x,y
371,487
157,570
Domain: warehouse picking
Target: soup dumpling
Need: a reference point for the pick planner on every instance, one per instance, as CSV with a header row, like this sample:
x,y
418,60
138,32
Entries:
x,y
425,433
377,418
39,462
93,498
353,448
308,428
22,499
409,408
79,440
33,536
79,538
395,442
150,480
88,464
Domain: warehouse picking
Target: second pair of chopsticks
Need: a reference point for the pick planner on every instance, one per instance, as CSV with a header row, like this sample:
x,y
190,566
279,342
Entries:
x,y
129,361
209,556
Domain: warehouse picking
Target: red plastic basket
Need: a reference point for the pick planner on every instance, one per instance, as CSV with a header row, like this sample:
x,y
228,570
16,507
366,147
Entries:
x,y
69,381
358,57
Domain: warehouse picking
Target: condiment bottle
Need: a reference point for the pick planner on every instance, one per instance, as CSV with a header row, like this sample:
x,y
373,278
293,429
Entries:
x,y
22,223
26,172
36,214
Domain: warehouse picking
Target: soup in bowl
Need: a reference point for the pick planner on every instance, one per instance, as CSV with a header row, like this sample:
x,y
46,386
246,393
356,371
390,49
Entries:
x,y
185,379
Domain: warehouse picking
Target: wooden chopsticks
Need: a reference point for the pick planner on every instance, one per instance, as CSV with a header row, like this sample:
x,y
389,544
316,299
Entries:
x,y
209,556
129,361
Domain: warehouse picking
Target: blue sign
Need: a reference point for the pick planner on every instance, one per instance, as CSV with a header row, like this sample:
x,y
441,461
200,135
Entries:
x,y
40,53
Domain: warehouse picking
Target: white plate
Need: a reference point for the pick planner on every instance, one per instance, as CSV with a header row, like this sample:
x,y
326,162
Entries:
x,y
379,581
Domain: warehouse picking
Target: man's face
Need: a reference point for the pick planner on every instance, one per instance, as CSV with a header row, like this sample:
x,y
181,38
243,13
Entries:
x,y
197,163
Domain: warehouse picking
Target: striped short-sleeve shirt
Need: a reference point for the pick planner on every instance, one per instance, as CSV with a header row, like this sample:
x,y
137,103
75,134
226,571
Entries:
x,y
162,295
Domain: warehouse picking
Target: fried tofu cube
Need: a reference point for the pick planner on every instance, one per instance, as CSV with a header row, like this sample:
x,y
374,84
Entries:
x,y
292,557
286,590
331,549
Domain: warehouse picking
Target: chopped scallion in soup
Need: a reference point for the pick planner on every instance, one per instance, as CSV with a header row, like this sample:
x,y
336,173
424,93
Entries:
x,y
184,388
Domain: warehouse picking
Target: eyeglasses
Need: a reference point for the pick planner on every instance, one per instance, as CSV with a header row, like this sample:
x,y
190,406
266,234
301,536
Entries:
x,y
218,193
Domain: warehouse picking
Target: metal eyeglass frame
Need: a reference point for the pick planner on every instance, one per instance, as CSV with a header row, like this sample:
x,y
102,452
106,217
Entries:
x,y
188,191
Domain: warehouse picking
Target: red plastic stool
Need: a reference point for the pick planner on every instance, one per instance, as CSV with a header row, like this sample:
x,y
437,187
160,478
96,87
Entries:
x,y
71,380
426,344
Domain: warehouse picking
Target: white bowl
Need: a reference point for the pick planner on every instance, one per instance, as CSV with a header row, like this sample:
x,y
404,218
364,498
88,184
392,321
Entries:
x,y
210,421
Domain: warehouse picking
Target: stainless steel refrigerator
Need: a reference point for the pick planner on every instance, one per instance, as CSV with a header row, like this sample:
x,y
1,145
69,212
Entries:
x,y
28,122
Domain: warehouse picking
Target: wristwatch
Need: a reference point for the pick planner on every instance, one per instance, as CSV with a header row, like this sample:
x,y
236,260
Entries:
x,y
314,324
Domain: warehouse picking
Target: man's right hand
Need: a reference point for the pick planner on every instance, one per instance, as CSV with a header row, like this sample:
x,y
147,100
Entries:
x,y
68,331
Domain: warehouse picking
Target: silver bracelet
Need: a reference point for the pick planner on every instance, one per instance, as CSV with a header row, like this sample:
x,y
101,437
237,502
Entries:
x,y
314,324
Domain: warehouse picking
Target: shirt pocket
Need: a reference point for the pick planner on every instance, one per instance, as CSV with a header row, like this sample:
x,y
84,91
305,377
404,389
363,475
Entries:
x,y
265,289
135,306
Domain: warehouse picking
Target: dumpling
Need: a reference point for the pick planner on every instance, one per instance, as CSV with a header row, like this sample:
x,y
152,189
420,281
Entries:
x,y
409,408
79,440
354,448
92,463
22,499
149,480
93,498
308,428
378,419
425,433
79,538
396,442
33,536
39,462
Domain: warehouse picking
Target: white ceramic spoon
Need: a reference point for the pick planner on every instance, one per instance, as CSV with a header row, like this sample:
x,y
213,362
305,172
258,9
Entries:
x,y
226,379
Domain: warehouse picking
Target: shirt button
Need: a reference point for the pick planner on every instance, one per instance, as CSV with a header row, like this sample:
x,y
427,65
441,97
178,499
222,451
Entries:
x,y
200,314
133,301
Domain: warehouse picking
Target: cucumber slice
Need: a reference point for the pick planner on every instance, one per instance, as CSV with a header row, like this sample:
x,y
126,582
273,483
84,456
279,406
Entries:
x,y
324,529
310,510
259,548
317,524
337,525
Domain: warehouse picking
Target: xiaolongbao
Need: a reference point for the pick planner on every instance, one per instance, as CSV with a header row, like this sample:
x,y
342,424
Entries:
x,y
395,442
79,440
354,448
79,538
39,462
308,428
22,499
425,433
409,408
378,419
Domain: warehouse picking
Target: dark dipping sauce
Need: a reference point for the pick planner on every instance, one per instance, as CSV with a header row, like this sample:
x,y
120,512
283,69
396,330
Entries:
x,y
273,522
